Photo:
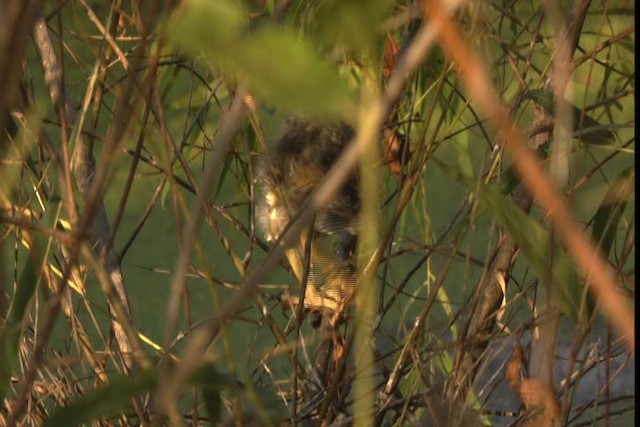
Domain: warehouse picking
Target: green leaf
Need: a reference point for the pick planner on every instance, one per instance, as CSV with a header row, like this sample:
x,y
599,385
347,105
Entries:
x,y
510,179
567,288
115,397
283,68
27,283
354,24
607,218
208,26
270,5
586,128
212,401
534,242
530,236
279,65
10,335
106,401
463,155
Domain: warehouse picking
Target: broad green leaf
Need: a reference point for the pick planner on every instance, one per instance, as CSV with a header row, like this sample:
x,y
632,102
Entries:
x,y
607,218
270,6
280,66
510,178
12,331
534,242
26,137
587,128
530,236
212,27
283,68
567,288
115,397
209,380
355,24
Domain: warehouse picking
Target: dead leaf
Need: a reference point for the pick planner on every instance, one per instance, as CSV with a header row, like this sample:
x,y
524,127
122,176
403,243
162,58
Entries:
x,y
392,152
513,369
540,398
390,56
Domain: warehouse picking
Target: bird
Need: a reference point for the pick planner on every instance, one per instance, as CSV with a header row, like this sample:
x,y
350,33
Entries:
x,y
295,162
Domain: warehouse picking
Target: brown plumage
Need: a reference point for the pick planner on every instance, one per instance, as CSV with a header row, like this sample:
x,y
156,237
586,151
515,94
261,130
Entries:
x,y
294,164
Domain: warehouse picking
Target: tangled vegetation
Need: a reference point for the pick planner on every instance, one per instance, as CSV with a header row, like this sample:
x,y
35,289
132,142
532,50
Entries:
x,y
492,281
